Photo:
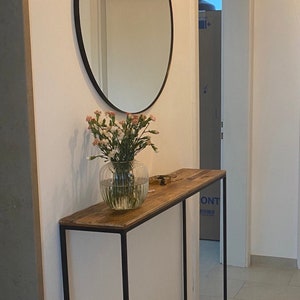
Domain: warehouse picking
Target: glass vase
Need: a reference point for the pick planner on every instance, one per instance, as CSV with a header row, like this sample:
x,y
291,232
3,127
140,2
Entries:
x,y
124,185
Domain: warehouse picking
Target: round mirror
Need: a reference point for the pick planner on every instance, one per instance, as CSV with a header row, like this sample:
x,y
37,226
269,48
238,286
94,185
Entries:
x,y
126,47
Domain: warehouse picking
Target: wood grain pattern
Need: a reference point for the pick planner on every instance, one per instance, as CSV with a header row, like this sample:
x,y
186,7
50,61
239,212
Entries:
x,y
185,183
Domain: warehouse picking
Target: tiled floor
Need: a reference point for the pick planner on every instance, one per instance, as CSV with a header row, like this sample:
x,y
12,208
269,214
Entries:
x,y
257,282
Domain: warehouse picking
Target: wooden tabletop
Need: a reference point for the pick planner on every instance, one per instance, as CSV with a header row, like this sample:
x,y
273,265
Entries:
x,y
184,183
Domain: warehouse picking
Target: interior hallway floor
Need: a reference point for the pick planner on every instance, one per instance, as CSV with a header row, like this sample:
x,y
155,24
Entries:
x,y
258,282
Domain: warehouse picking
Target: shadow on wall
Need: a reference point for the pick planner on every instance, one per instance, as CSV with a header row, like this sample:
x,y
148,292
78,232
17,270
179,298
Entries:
x,y
85,173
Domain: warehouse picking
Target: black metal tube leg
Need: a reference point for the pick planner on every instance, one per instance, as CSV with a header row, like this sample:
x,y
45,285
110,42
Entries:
x,y
184,249
224,239
64,262
124,266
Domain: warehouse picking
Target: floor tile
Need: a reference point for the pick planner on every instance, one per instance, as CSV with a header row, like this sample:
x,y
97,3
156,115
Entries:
x,y
291,293
258,282
295,280
263,275
260,291
214,298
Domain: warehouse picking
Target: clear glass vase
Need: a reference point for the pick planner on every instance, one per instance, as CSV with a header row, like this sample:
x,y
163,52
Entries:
x,y
124,185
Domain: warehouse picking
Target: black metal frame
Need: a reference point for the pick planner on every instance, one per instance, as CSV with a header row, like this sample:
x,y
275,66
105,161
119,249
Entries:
x,y
123,235
77,22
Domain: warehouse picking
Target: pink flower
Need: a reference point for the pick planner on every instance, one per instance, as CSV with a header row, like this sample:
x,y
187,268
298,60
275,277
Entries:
x,y
110,113
152,118
103,142
120,140
96,142
135,119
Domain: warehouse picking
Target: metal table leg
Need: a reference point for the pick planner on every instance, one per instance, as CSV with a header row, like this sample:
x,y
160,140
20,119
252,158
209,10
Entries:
x,y
124,266
224,241
64,262
184,250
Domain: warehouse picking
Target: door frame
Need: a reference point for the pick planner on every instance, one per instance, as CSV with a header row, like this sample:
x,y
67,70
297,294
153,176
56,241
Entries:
x,y
236,99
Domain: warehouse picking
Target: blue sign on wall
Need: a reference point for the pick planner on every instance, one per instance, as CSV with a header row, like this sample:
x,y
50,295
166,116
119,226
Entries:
x,y
209,205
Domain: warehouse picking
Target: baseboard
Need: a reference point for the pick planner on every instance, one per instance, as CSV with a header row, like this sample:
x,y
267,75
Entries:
x,y
270,261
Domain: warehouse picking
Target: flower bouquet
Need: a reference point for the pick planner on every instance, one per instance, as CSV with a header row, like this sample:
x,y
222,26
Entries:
x,y
123,181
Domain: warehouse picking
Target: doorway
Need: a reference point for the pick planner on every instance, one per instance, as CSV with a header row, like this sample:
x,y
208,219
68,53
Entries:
x,y
210,117
209,23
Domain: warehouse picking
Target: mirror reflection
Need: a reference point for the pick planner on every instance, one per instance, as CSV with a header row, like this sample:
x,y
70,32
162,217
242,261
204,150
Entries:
x,y
126,47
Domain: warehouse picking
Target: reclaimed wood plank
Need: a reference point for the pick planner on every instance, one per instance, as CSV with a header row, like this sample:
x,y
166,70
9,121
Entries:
x,y
184,183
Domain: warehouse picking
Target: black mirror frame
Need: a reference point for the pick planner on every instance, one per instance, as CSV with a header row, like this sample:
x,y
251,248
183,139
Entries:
x,y
88,67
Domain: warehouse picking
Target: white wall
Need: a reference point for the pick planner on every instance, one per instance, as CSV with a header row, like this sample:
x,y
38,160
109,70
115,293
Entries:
x,y
261,127
276,102
298,233
63,97
236,145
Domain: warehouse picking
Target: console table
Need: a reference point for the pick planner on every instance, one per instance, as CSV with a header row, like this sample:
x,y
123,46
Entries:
x,y
100,218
